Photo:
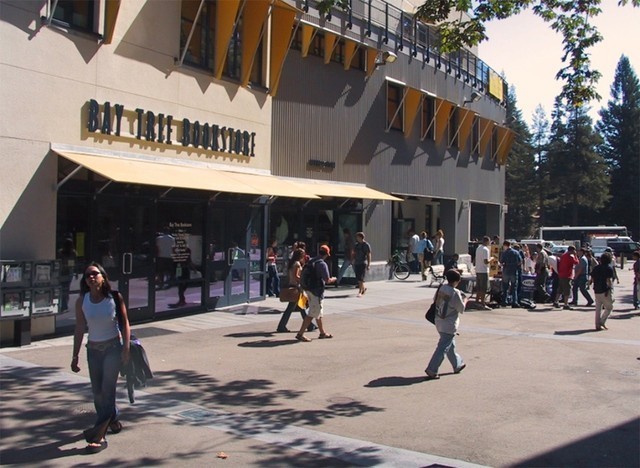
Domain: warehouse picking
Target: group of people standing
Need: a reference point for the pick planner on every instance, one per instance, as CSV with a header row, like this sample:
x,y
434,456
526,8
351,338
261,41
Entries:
x,y
422,252
571,275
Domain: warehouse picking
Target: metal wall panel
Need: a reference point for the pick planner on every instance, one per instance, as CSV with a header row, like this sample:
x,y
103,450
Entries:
x,y
324,113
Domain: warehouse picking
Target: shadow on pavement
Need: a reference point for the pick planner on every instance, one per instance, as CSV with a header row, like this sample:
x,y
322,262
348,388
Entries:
x,y
575,332
249,334
266,343
614,447
37,429
395,381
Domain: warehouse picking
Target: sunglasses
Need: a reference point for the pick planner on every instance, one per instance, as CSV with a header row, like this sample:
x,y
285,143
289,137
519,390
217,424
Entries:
x,y
92,273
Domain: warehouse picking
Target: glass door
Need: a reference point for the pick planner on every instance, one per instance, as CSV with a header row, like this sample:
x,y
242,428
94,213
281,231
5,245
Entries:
x,y
122,237
233,249
178,247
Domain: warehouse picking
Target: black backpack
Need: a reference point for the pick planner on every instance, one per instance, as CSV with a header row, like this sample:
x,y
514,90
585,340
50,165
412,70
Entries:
x,y
309,280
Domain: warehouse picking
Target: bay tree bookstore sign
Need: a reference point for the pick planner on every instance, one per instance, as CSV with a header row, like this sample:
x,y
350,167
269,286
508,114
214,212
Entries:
x,y
159,128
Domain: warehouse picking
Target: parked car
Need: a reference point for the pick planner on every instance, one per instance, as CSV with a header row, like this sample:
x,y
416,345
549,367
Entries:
x,y
597,251
559,250
623,248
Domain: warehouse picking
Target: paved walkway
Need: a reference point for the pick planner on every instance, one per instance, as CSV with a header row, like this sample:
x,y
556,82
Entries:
x,y
541,389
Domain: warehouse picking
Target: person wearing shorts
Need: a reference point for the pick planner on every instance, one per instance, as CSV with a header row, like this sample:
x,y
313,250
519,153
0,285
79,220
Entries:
x,y
316,295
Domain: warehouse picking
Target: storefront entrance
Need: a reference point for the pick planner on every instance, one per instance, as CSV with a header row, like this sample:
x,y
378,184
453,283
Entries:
x,y
121,241
234,269
165,255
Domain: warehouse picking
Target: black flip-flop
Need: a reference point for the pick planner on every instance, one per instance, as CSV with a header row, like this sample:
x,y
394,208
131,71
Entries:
x,y
97,448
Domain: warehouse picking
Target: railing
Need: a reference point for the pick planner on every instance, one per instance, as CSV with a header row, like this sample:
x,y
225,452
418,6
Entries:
x,y
390,24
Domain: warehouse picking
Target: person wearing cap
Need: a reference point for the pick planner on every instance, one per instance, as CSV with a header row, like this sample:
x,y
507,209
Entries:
x,y
566,265
316,294
361,261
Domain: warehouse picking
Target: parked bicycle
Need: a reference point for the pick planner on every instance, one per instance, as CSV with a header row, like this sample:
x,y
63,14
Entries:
x,y
398,267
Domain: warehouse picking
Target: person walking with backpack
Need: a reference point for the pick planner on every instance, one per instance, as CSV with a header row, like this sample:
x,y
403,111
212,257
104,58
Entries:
x,y
107,349
314,278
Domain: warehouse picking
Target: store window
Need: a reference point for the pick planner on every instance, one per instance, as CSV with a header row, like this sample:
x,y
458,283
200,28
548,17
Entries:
x,y
233,63
395,112
200,47
76,14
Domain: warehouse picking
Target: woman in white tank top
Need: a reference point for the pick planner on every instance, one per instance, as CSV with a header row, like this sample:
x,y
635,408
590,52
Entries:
x,y
107,349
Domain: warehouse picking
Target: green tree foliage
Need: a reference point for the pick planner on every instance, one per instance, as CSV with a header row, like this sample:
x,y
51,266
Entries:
x,y
578,174
619,126
539,142
520,185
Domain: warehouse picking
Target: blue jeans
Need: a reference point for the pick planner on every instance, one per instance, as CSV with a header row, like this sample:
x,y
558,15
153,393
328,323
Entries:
x,y
446,345
414,264
437,258
286,315
273,281
104,367
580,283
509,283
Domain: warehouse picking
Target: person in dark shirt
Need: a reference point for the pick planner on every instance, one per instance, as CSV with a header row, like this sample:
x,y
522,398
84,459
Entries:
x,y
602,280
511,262
452,264
316,295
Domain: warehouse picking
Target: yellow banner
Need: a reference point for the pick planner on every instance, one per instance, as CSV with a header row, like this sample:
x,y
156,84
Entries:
x,y
495,85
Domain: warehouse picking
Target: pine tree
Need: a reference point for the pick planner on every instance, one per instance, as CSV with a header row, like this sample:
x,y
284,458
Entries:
x,y
578,173
619,126
520,176
540,142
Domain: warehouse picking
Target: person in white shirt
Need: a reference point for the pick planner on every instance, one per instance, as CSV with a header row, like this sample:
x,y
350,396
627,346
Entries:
x,y
483,262
412,252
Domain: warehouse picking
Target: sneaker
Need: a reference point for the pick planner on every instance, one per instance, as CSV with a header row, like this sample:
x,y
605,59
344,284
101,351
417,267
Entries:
x,y
556,305
567,307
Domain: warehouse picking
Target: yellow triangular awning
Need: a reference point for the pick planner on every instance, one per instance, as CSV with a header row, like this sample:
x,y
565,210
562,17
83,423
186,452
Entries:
x,y
111,9
443,111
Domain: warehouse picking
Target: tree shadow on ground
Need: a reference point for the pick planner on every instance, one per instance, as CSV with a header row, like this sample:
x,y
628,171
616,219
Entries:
x,y
45,409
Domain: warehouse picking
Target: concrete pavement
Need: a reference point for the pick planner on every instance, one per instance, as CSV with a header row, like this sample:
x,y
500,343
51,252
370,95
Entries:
x,y
542,388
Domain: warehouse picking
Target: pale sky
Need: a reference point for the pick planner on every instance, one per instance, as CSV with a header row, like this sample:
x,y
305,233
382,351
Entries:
x,y
529,53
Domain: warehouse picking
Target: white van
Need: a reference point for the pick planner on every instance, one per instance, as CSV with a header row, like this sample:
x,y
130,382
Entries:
x,y
604,241
548,245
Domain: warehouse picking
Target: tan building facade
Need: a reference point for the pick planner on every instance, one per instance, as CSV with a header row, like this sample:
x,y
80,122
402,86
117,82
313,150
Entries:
x,y
131,124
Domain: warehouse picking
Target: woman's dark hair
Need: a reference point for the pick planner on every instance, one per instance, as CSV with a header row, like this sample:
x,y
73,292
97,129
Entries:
x,y
106,286
297,255
452,276
605,258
